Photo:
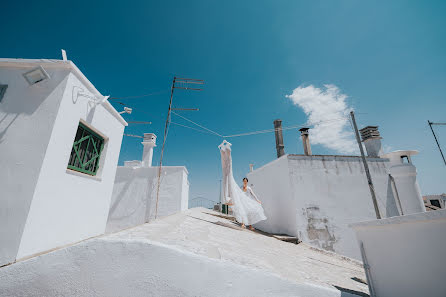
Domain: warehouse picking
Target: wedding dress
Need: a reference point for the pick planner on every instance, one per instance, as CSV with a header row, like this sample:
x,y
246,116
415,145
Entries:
x,y
245,208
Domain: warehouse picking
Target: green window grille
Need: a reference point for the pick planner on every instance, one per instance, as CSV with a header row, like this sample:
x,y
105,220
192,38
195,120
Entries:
x,y
86,151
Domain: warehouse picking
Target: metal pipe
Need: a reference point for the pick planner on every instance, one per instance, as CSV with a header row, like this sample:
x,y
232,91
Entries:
x,y
305,141
436,140
366,167
280,148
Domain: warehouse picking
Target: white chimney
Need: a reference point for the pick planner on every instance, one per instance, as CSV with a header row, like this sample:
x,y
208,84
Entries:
x,y
372,141
405,175
149,143
251,167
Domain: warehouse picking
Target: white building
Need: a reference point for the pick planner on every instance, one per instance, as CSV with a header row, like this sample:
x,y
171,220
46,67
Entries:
x,y
59,143
316,197
404,256
135,191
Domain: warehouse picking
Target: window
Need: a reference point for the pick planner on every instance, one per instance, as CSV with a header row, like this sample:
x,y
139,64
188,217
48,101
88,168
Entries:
x,y
86,151
2,91
36,75
405,159
436,202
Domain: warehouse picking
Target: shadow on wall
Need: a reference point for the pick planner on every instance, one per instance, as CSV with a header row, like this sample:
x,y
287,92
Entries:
x,y
15,103
391,207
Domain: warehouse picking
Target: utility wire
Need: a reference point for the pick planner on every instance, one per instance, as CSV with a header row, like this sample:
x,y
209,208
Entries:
x,y
252,132
197,124
191,128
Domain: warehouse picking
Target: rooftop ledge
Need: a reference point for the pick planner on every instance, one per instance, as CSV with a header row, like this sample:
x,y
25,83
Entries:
x,y
334,158
53,63
411,218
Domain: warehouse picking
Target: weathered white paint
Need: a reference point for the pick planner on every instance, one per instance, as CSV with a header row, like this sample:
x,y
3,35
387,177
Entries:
x,y
316,197
135,193
406,254
41,202
186,254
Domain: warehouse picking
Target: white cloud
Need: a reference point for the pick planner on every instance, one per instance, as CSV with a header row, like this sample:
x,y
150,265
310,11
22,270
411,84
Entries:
x,y
328,112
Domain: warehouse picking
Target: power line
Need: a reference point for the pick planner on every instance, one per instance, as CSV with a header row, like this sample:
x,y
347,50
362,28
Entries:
x,y
254,132
197,124
191,128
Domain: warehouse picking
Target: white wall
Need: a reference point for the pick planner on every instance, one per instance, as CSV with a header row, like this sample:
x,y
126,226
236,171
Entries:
x,y
316,197
122,268
69,206
271,183
27,116
406,254
134,195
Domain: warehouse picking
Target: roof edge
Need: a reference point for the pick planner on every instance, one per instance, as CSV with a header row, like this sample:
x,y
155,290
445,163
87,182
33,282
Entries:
x,y
14,62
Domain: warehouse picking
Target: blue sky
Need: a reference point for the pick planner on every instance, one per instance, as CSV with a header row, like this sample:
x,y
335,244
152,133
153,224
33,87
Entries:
x,y
386,59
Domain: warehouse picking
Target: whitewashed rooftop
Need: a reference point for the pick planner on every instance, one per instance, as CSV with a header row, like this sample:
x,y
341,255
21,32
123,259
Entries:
x,y
194,253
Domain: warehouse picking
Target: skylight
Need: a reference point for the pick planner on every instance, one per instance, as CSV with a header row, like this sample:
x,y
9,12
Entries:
x,y
36,75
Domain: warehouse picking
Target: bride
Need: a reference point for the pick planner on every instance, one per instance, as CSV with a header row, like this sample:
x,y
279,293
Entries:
x,y
246,207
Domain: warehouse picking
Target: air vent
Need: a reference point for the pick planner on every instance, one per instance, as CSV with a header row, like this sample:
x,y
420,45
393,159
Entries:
x,y
2,91
369,132
36,75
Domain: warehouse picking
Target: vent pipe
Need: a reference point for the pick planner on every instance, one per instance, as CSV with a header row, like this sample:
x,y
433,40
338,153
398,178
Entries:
x,y
305,141
149,142
279,138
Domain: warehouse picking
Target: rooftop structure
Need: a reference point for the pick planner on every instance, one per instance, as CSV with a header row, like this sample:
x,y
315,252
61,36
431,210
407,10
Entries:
x,y
316,197
59,142
404,255
135,190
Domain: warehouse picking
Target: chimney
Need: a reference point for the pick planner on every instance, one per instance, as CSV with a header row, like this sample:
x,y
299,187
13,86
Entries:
x,y
149,142
279,138
251,167
305,141
372,141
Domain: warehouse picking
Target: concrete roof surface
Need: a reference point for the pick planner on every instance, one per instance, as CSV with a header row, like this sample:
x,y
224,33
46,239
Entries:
x,y
207,233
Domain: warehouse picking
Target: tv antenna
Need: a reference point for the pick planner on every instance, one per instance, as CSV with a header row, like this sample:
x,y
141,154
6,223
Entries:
x,y
191,84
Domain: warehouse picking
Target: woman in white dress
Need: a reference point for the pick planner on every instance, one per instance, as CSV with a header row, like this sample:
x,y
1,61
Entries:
x,y
250,193
247,210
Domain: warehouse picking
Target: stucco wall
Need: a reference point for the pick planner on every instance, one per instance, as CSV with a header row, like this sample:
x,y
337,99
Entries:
x,y
271,184
27,116
68,206
317,197
406,254
134,195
